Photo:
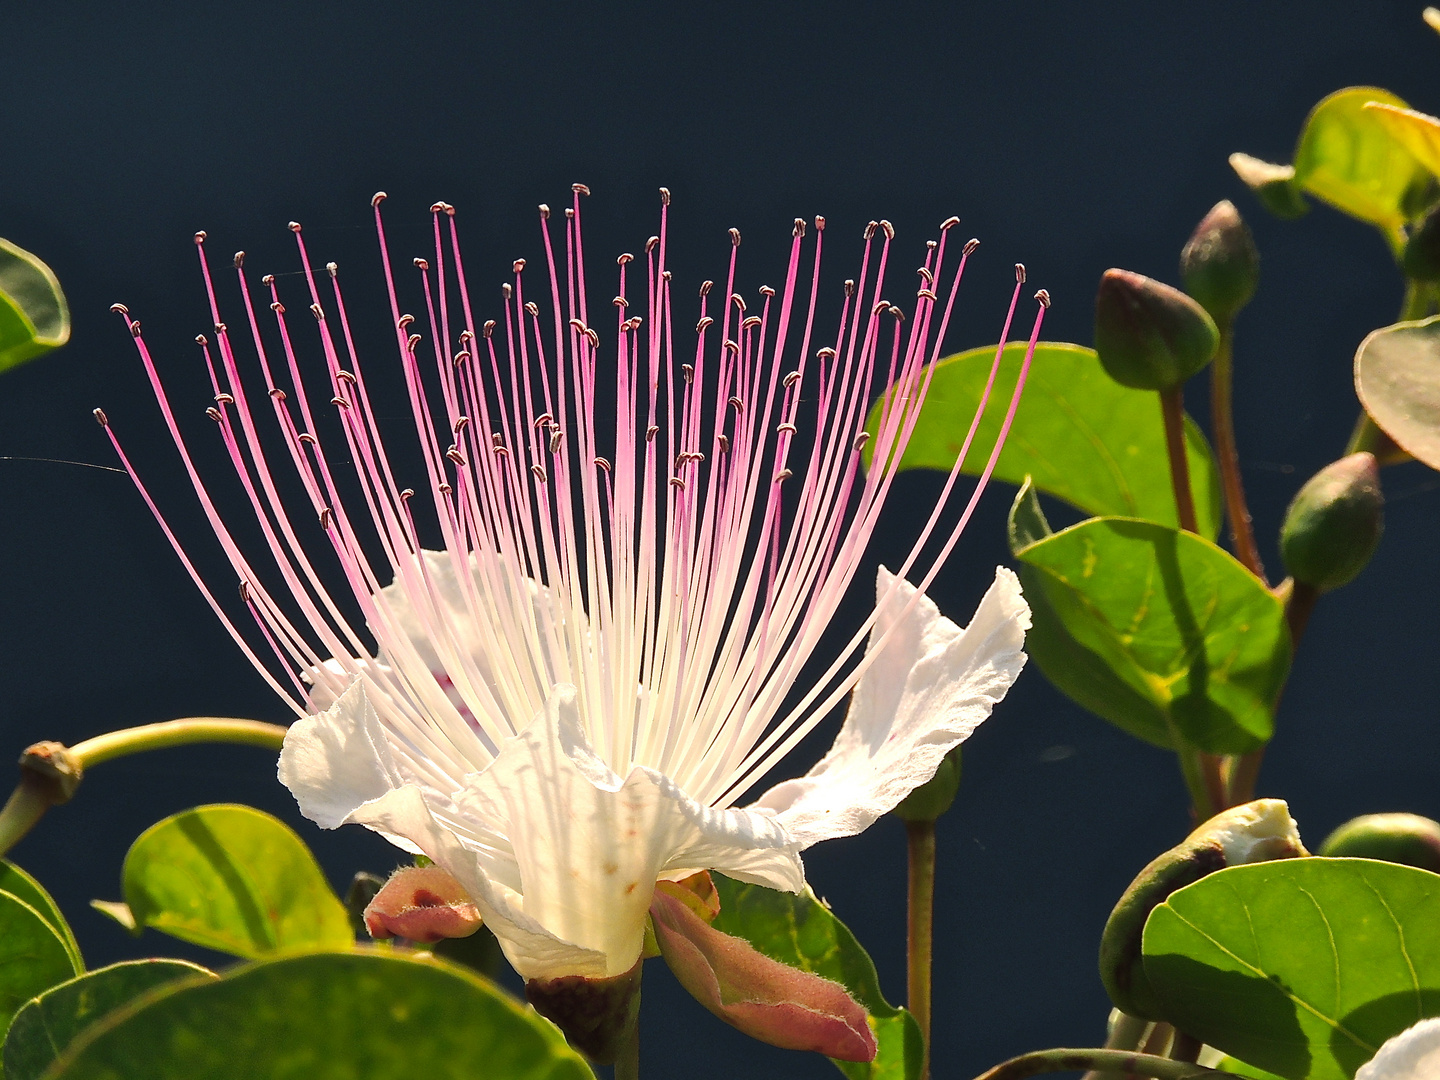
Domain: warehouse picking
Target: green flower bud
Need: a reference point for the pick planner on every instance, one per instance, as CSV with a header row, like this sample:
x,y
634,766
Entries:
x,y
1219,265
1273,185
1334,523
932,798
1150,336
1408,839
1422,251
1254,832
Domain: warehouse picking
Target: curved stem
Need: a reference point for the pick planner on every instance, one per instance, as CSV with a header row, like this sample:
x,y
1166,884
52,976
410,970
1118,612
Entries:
x,y
920,926
1120,1061
1222,421
1172,407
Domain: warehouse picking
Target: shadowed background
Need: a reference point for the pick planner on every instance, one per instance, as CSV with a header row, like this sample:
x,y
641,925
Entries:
x,y
1065,138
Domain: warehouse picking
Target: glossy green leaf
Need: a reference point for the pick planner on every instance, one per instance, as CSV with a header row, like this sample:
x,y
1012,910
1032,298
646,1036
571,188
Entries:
x,y
234,879
1153,629
34,317
1302,967
33,957
1082,436
1397,376
47,1024
1348,157
326,1016
18,883
797,929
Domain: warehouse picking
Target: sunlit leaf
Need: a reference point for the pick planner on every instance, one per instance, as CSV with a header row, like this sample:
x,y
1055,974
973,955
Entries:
x,y
327,1016
1302,967
1348,157
1152,627
1397,376
45,1025
1079,434
1416,131
34,317
234,879
18,883
33,957
798,930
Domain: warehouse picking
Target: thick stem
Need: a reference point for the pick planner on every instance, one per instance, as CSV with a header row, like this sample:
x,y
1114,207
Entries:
x,y
1126,1033
1068,1060
1172,407
920,925
50,772
627,1064
1222,421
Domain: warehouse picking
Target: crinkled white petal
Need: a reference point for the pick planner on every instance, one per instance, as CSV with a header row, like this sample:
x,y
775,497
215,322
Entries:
x,y
590,844
927,691
1414,1054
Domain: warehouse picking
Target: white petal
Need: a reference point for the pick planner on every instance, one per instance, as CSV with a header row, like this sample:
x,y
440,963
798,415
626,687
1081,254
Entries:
x,y
590,846
1414,1054
926,692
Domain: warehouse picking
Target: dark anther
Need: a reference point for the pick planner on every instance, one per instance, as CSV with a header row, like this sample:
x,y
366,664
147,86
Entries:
x,y
100,417
735,237
664,196
200,237
580,189
294,226
238,259
378,198
705,287
1020,273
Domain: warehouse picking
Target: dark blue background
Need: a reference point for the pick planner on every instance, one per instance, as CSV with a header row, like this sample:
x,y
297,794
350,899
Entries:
x,y
1072,137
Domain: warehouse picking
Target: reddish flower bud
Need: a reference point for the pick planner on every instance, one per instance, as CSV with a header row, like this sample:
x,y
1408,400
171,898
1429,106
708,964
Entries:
x,y
421,903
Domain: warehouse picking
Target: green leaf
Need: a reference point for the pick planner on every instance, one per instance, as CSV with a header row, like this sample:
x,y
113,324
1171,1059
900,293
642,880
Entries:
x,y
1082,436
1157,629
34,317
1348,157
234,879
33,956
18,883
799,930
1302,967
326,1016
1397,376
47,1024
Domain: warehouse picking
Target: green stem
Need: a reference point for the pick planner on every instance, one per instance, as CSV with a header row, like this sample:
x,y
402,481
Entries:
x,y
920,926
1068,1060
627,1063
1222,421
50,771
1126,1033
1172,407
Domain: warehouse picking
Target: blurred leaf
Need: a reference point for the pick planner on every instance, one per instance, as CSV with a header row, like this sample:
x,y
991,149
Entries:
x,y
45,1025
1302,967
1416,131
1274,185
1397,376
120,912
34,317
797,929
33,957
1079,434
18,883
1348,157
234,879
326,1016
1151,627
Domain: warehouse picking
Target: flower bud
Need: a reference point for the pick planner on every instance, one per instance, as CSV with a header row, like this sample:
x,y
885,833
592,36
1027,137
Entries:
x,y
932,798
1408,839
1334,523
1421,259
1273,185
1149,335
597,1015
421,903
1219,265
1254,832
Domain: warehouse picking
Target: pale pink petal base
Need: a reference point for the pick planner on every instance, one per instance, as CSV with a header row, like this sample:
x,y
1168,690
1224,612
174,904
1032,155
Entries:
x,y
422,903
764,998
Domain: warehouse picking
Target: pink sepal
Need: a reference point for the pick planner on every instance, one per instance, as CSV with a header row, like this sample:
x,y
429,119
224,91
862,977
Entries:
x,y
764,998
421,903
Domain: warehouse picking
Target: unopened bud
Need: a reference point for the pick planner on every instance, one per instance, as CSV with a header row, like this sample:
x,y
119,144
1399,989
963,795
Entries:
x,y
1273,185
53,769
1334,523
1408,839
424,904
932,798
597,1015
1149,335
1421,259
1254,832
1219,265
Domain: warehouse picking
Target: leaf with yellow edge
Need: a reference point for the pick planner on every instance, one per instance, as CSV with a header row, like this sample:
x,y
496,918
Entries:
x,y
1418,132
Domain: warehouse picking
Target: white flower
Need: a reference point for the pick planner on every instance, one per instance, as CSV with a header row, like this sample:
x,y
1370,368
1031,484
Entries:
x,y
1414,1054
611,642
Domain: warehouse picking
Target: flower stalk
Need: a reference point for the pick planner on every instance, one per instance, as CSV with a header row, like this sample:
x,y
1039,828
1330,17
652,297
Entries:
x,y
1117,1061
1172,407
920,926
1222,420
